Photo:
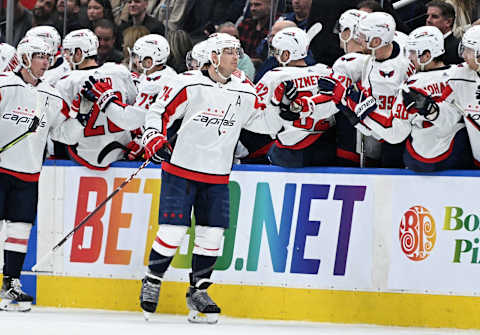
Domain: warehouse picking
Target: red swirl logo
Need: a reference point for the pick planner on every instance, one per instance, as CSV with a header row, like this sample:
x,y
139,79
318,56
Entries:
x,y
417,233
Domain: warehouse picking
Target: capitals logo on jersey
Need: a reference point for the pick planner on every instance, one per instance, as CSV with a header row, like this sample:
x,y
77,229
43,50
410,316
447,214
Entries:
x,y
386,74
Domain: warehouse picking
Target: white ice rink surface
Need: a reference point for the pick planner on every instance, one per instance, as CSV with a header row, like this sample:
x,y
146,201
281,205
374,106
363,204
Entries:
x,y
52,321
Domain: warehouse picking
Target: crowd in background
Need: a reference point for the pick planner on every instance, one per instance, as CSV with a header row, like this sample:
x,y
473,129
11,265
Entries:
x,y
118,23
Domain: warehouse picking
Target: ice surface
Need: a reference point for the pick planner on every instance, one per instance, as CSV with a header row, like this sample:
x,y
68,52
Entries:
x,y
52,321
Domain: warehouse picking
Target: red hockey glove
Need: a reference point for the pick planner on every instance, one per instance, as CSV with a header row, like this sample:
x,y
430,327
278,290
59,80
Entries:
x,y
135,148
300,108
157,148
99,91
357,105
332,87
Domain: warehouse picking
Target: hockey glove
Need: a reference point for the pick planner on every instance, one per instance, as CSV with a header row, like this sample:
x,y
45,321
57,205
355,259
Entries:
x,y
332,87
288,92
135,148
157,148
99,91
357,105
417,102
300,108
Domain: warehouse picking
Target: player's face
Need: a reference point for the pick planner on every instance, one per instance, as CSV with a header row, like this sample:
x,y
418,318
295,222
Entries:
x,y
412,56
469,56
229,60
40,63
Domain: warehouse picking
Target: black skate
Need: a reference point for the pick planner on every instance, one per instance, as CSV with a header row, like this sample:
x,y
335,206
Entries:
x,y
149,294
202,308
12,292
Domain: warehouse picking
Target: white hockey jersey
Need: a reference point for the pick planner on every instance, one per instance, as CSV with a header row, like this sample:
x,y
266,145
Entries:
x,y
301,133
133,117
19,103
100,132
52,76
381,78
431,138
213,115
463,93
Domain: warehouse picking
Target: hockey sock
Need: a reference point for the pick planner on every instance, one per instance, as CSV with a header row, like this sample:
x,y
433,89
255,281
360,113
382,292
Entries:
x,y
158,264
202,267
13,263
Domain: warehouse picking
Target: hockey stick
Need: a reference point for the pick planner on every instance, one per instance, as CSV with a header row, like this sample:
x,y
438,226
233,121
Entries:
x,y
85,220
110,196
314,30
31,128
109,148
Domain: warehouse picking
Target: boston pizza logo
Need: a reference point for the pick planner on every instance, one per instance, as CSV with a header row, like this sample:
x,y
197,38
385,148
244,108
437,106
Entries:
x,y
417,233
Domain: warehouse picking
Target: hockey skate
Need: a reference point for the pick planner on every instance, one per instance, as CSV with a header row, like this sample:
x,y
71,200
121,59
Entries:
x,y
12,292
149,294
202,308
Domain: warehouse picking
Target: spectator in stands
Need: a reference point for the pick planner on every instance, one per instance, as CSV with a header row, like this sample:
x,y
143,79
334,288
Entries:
x,y
244,62
137,16
301,11
180,43
130,36
202,17
271,62
98,9
464,12
252,30
105,31
73,10
176,12
442,15
43,13
22,23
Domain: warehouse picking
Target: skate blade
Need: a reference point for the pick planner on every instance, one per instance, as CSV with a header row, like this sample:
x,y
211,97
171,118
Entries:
x,y
197,317
147,316
8,306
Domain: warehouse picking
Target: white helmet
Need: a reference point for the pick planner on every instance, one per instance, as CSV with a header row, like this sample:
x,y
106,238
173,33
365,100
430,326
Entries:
x,y
377,24
152,46
348,20
292,39
216,42
83,39
29,46
471,40
50,35
8,58
427,38
199,54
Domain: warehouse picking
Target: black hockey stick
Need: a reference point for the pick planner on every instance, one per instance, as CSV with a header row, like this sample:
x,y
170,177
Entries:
x,y
85,220
109,148
31,129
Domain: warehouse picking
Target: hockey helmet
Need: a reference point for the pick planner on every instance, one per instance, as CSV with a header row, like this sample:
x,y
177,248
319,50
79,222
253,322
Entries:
x,y
375,25
217,42
348,20
291,39
83,39
50,35
8,58
470,44
198,55
29,46
152,46
427,38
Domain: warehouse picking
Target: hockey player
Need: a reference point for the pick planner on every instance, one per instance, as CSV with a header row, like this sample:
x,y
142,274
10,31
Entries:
x,y
58,66
30,110
437,138
102,141
152,52
309,141
380,75
463,91
214,107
